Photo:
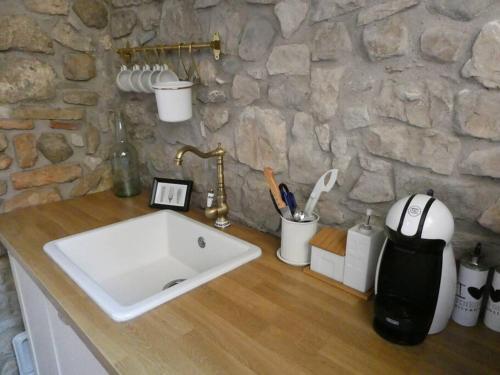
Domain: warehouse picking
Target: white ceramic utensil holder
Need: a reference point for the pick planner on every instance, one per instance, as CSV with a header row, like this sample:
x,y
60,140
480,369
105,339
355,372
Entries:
x,y
295,237
173,100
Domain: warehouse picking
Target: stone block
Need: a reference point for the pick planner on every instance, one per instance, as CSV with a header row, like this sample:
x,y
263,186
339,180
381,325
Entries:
x,y
54,147
69,37
405,101
5,161
92,139
37,112
87,183
79,67
290,92
92,162
93,13
483,66
210,95
25,150
122,23
51,174
356,117
23,33
77,140
4,142
290,13
491,218
307,160
3,191
215,117
330,211
331,42
202,4
442,43
245,90
477,114
48,6
261,138
290,59
325,87
178,22
208,71
374,164
26,79
256,39
325,9
383,10
372,187
423,148
387,38
11,124
31,198
323,136
64,125
82,97
461,10
482,163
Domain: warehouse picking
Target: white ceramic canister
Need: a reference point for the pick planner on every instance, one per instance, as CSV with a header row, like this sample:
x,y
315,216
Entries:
x,y
492,313
173,100
295,236
471,285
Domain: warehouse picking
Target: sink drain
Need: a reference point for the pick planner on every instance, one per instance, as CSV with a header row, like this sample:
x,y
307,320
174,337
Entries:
x,y
172,283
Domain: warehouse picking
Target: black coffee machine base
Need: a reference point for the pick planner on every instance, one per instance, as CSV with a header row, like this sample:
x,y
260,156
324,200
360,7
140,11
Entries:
x,y
396,336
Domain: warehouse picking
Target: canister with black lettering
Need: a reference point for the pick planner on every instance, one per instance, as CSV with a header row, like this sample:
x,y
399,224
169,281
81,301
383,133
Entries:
x,y
471,286
492,313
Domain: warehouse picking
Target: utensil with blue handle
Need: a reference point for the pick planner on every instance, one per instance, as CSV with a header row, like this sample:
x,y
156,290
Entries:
x,y
275,191
288,197
323,185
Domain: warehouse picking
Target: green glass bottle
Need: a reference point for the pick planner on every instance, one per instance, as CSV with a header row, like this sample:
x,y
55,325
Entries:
x,y
125,163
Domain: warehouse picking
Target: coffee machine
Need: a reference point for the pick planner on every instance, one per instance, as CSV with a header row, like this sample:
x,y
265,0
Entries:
x,y
416,274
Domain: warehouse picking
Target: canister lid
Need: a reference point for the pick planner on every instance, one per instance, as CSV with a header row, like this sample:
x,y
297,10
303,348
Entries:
x,y
330,239
474,259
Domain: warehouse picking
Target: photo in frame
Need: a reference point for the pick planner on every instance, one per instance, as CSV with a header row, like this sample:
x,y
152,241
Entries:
x,y
171,194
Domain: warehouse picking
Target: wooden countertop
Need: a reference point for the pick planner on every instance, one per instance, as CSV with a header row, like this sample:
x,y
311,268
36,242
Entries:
x,y
265,317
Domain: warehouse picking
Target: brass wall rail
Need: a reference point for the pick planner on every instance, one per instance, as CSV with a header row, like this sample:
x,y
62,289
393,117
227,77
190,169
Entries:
x,y
215,45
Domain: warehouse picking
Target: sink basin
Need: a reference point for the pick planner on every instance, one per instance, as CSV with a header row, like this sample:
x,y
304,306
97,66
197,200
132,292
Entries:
x,y
133,266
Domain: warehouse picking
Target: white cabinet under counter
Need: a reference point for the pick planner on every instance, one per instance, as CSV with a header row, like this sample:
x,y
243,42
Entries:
x,y
56,348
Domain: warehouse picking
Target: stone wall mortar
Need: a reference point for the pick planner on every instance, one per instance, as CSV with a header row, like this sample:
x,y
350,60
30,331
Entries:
x,y
383,79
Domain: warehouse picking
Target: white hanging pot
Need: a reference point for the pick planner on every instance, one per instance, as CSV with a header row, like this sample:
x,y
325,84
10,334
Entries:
x,y
173,100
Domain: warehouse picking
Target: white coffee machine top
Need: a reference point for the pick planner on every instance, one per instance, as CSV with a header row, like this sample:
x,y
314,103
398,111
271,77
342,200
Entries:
x,y
421,216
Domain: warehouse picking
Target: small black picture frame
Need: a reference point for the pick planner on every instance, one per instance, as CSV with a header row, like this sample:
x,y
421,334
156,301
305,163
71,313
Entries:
x,y
171,194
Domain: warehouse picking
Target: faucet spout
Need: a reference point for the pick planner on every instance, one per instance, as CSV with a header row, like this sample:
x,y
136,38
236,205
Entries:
x,y
179,155
220,211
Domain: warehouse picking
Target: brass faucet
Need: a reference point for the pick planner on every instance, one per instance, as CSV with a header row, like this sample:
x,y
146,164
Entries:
x,y
221,210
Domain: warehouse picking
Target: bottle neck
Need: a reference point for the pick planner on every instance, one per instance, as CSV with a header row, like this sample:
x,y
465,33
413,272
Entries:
x,y
120,130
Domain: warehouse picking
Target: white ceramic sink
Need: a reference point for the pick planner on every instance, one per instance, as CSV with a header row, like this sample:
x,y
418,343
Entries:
x,y
124,267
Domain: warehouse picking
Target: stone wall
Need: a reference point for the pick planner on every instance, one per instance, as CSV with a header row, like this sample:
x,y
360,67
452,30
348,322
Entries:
x,y
55,93
400,96
56,88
